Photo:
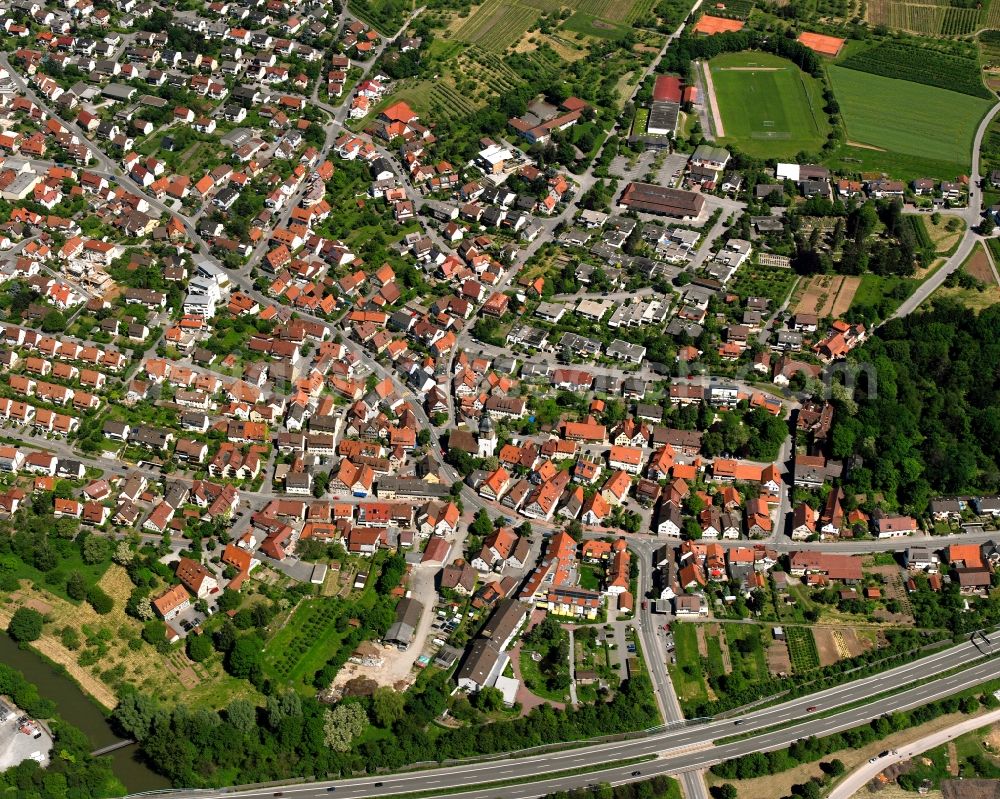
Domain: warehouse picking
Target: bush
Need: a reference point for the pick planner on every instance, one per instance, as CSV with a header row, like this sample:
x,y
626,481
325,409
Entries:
x,y
100,601
76,586
199,647
25,625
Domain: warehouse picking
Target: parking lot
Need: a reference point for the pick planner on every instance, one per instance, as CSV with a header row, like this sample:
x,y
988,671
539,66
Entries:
x,y
17,746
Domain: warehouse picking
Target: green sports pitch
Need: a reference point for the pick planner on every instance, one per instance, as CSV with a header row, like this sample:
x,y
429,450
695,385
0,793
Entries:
x,y
769,107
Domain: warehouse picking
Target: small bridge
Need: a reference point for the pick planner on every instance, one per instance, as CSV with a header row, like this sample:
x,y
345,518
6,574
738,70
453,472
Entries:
x,y
105,750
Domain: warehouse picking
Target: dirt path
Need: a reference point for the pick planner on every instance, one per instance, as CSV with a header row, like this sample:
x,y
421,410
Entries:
x,y
702,644
727,662
711,102
861,146
952,759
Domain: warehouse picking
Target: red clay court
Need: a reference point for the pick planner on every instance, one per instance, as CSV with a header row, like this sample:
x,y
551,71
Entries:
x,y
710,25
822,44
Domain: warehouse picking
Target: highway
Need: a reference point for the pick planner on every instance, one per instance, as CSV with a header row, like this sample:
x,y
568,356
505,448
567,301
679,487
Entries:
x,y
680,750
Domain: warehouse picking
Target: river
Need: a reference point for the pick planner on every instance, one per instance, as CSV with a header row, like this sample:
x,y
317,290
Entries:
x,y
82,712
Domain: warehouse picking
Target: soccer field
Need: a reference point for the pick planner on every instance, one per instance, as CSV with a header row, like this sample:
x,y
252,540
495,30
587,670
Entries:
x,y
769,107
907,118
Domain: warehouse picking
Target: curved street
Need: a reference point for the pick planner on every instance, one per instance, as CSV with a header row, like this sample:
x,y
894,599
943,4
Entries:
x,y
858,778
973,216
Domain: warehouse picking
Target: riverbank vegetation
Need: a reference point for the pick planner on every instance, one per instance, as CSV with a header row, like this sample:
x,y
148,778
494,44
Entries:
x,y
72,772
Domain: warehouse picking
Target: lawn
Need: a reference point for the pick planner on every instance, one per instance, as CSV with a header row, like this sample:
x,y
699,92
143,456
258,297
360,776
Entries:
x,y
590,578
883,292
313,635
537,682
307,641
687,674
716,666
900,123
773,111
973,299
754,280
640,121
746,650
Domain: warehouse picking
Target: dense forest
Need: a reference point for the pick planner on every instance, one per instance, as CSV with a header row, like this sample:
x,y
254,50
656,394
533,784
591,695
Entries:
x,y
295,736
927,420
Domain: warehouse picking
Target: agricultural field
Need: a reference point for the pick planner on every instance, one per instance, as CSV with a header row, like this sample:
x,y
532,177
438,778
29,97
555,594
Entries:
x,y
589,25
886,115
826,295
735,9
754,280
926,17
989,51
769,107
961,21
625,12
920,65
498,24
802,648
922,18
105,654
446,103
386,16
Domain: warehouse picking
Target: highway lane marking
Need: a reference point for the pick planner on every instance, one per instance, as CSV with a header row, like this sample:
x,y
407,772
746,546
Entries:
x,y
911,697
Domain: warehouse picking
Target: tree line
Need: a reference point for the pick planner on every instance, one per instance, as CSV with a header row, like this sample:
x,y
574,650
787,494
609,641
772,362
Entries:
x,y
291,737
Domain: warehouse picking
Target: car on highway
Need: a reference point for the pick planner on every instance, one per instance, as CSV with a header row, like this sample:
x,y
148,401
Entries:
x,y
811,709
636,773
738,722
873,760
331,789
378,784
